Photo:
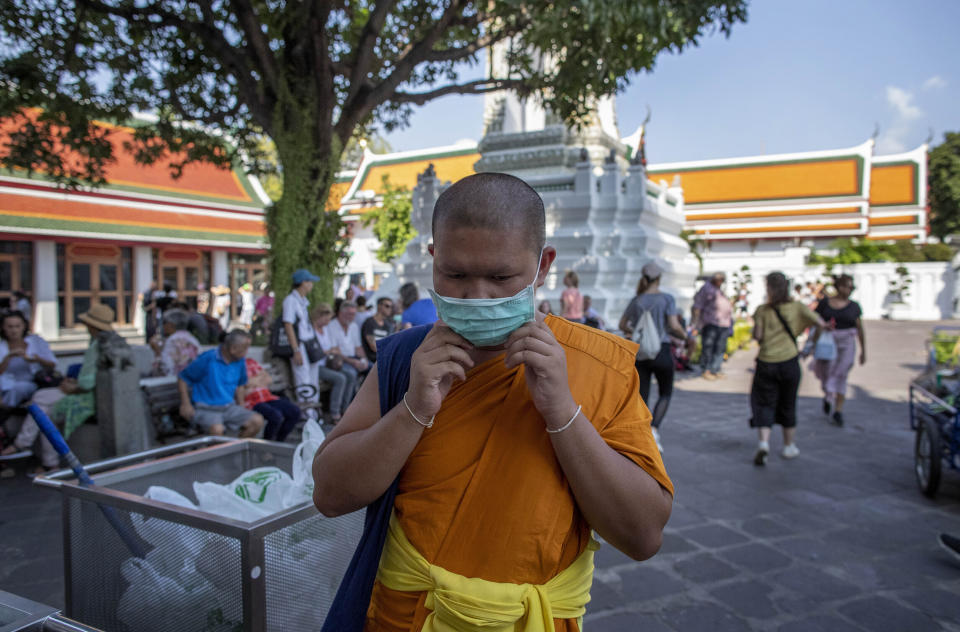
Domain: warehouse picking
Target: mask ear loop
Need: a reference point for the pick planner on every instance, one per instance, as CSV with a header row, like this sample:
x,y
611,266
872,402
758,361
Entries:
x,y
536,275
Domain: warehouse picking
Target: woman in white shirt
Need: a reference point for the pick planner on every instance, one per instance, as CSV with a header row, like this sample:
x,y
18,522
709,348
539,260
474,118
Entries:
x,y
22,356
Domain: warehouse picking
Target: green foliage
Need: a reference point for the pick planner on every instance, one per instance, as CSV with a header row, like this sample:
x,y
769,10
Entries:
x,y
944,186
900,286
944,345
308,75
855,250
742,336
391,222
695,245
740,283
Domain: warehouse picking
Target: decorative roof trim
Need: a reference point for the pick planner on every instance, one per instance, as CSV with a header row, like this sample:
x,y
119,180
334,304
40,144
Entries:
x,y
371,160
865,150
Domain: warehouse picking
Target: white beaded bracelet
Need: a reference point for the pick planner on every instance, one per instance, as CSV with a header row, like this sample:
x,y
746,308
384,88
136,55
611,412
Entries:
x,y
428,424
566,425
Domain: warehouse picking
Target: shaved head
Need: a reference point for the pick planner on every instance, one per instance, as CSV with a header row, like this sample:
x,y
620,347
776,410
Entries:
x,y
492,201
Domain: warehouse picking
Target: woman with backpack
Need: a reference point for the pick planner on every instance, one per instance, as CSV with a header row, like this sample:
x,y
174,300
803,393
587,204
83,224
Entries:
x,y
649,320
773,396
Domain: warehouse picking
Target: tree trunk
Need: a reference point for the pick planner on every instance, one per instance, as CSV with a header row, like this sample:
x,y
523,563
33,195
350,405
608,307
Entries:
x,y
302,233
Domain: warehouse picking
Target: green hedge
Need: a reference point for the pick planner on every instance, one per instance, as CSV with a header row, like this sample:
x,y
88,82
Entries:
x,y
741,339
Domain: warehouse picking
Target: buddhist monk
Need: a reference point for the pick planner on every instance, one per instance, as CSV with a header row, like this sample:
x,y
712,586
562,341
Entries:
x,y
512,435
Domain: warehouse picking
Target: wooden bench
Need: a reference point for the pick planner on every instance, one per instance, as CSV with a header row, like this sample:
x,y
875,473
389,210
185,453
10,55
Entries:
x,y
162,395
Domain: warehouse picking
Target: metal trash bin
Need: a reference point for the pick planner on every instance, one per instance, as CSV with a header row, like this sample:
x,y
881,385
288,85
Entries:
x,y
202,572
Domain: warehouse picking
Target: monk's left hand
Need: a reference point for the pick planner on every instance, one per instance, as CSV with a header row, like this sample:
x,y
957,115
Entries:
x,y
545,365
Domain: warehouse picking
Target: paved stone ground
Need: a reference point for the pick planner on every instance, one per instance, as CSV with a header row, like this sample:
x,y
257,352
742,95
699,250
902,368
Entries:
x,y
837,540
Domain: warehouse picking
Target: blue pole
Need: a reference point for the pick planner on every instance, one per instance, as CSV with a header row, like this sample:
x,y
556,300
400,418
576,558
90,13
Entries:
x,y
56,439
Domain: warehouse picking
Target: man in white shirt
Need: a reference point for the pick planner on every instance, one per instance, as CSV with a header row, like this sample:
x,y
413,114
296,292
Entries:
x,y
345,340
296,322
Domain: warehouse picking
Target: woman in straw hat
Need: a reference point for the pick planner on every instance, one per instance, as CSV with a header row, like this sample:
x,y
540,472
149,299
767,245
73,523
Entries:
x,y
73,402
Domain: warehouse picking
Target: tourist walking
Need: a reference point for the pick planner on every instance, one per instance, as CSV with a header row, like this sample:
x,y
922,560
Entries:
x,y
571,301
773,396
307,350
713,318
845,316
663,309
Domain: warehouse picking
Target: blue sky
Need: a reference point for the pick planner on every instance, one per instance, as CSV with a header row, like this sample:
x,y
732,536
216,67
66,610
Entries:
x,y
798,76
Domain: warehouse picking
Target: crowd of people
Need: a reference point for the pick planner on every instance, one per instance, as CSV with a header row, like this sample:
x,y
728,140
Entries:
x,y
332,348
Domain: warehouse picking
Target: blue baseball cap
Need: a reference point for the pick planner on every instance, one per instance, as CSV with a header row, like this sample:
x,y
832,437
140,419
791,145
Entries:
x,y
302,275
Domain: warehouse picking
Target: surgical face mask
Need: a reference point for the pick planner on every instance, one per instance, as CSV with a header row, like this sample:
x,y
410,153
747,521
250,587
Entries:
x,y
488,322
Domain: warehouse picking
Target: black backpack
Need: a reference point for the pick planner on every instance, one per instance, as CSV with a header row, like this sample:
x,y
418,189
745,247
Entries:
x,y
279,342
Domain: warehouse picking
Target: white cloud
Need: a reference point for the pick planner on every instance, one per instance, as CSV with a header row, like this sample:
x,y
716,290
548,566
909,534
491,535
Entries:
x,y
893,140
935,82
902,102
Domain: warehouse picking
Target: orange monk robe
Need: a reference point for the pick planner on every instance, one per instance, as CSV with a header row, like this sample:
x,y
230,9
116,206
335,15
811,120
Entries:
x,y
483,494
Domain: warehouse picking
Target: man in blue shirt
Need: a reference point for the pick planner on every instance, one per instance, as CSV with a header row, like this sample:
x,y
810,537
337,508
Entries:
x,y
416,310
213,386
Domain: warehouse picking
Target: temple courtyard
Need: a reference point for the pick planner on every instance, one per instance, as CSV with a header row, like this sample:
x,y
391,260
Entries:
x,y
839,539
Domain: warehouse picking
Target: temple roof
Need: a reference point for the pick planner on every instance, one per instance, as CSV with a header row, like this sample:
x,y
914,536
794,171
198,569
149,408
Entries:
x,y
207,205
801,176
451,163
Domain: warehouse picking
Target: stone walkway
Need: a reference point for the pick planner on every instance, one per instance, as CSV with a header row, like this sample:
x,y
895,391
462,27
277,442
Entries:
x,y
837,540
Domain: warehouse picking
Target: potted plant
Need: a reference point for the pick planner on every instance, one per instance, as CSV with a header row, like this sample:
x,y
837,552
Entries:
x,y
899,290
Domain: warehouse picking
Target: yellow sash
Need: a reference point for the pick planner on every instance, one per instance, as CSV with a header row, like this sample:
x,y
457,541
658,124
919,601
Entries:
x,y
468,604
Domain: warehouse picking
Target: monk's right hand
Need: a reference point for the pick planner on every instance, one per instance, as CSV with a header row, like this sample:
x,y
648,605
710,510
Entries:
x,y
440,359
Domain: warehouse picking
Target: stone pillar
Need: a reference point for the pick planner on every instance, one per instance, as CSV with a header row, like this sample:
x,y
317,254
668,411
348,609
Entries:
x,y
142,276
46,318
121,412
221,268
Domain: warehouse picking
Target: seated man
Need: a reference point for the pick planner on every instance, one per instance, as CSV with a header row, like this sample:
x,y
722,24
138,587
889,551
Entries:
x,y
210,389
498,437
344,338
74,401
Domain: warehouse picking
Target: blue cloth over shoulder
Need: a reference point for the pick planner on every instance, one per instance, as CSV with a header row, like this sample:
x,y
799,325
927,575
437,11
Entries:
x,y
348,613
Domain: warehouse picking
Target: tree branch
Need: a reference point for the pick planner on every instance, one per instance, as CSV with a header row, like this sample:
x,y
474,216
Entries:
x,y
250,23
208,33
462,52
480,86
366,44
356,109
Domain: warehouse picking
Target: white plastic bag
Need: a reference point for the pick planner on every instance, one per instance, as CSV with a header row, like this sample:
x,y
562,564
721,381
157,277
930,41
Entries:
x,y
826,347
253,495
301,490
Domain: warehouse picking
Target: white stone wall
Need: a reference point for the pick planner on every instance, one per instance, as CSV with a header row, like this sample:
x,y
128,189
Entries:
x,y
931,296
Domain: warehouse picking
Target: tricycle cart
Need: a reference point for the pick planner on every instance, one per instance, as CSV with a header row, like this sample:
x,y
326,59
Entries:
x,y
934,416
